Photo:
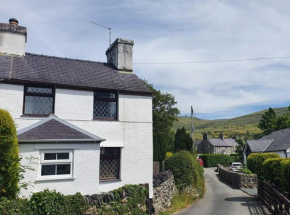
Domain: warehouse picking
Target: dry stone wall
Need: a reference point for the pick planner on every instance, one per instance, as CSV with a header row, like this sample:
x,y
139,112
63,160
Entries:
x,y
163,191
236,179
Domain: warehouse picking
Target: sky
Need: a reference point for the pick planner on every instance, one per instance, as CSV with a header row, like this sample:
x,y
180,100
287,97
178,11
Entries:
x,y
170,31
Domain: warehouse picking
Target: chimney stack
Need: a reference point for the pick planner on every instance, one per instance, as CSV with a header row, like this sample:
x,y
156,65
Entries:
x,y
120,54
205,136
12,38
222,136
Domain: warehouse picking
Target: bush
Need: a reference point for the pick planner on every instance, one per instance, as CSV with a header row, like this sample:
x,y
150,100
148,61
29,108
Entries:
x,y
246,171
14,207
255,162
186,170
159,146
168,154
136,205
272,170
212,160
51,202
182,141
285,175
9,157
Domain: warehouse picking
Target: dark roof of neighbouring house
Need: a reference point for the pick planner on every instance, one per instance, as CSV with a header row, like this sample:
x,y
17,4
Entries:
x,y
53,129
281,140
68,72
218,142
259,145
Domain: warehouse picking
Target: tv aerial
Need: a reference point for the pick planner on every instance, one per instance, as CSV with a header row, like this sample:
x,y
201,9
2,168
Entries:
x,y
105,28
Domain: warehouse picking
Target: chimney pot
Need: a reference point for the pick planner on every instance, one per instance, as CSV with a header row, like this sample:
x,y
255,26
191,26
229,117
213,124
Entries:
x,y
13,21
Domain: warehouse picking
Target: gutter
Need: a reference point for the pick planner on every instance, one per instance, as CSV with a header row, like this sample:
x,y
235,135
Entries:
x,y
61,140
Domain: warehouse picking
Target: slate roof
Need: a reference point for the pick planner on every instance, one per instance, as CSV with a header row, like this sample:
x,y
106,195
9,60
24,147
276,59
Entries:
x,y
218,142
53,129
68,72
259,145
281,140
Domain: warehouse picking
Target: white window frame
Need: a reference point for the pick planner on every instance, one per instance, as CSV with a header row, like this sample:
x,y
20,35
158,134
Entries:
x,y
56,162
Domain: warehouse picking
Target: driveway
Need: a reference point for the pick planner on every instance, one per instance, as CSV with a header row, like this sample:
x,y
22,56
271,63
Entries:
x,y
221,199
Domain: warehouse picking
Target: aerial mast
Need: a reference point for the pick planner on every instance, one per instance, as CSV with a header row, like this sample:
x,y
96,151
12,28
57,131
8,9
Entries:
x,y
105,28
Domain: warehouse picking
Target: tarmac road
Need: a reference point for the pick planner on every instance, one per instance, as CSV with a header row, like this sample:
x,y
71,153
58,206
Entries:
x,y
221,199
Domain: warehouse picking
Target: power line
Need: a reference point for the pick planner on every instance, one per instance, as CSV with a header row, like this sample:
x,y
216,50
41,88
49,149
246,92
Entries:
x,y
218,61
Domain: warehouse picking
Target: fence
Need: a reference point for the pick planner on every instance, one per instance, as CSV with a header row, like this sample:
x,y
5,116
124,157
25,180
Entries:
x,y
275,201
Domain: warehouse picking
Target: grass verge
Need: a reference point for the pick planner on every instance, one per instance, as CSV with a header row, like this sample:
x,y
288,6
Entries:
x,y
180,201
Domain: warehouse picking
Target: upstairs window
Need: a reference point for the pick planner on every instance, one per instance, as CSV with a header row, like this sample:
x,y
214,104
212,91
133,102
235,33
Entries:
x,y
38,100
105,105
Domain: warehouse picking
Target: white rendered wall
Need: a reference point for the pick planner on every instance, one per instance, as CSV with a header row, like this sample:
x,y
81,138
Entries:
x,y
86,158
11,43
132,132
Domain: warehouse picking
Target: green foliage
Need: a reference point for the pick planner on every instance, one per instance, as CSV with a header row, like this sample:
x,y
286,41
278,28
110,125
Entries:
x,y
255,162
240,147
282,122
136,201
246,171
51,202
285,175
159,146
14,207
164,112
182,141
168,154
272,170
267,122
212,160
186,170
9,157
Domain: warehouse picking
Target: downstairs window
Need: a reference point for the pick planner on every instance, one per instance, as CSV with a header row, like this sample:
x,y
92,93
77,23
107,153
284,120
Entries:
x,y
110,163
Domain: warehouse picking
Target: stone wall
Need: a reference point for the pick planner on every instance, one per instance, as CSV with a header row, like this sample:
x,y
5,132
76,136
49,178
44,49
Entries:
x,y
236,179
163,191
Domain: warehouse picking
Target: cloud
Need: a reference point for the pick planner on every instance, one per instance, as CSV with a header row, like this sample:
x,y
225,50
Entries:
x,y
176,31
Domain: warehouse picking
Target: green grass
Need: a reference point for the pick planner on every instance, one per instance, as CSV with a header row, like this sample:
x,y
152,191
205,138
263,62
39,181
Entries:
x,y
180,201
235,126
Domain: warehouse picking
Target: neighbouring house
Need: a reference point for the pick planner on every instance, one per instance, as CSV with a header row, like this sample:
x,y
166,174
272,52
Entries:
x,y
276,142
88,125
219,145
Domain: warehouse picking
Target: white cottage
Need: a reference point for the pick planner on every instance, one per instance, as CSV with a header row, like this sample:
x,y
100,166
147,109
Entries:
x,y
88,124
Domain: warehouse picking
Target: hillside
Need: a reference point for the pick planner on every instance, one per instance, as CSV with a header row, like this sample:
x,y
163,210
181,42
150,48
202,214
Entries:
x,y
239,125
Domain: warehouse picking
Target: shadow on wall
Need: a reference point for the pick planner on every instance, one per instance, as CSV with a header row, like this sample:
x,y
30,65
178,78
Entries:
x,y
254,205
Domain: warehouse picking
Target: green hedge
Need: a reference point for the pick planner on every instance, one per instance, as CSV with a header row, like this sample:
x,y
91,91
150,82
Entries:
x,y
186,171
212,160
45,203
285,175
272,170
255,162
9,157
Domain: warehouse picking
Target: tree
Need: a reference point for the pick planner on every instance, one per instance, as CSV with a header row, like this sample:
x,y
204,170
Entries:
x,y
282,122
240,147
9,157
164,115
164,112
182,141
267,122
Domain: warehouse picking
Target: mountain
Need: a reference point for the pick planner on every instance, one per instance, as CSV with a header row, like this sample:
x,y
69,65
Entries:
x,y
235,126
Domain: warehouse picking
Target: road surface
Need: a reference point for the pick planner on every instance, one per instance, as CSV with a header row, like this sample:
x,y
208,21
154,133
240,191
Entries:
x,y
221,199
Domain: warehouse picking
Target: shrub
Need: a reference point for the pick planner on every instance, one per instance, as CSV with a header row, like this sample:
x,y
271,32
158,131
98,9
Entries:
x,y
285,175
212,160
272,170
136,201
186,170
182,141
51,202
168,154
14,207
9,157
246,171
255,162
159,146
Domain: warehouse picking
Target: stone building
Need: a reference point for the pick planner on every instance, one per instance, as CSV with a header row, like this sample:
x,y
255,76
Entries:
x,y
219,145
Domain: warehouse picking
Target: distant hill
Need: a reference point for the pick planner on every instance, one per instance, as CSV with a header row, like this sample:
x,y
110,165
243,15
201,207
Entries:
x,y
239,125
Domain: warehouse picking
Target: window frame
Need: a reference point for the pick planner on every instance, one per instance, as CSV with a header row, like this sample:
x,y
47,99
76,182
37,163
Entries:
x,y
116,99
39,95
110,158
56,162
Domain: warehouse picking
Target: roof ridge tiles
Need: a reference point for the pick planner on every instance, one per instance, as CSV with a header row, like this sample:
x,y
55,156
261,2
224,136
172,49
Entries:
x,y
65,58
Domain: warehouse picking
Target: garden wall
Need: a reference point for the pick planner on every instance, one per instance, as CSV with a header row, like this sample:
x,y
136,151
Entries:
x,y
163,191
236,179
